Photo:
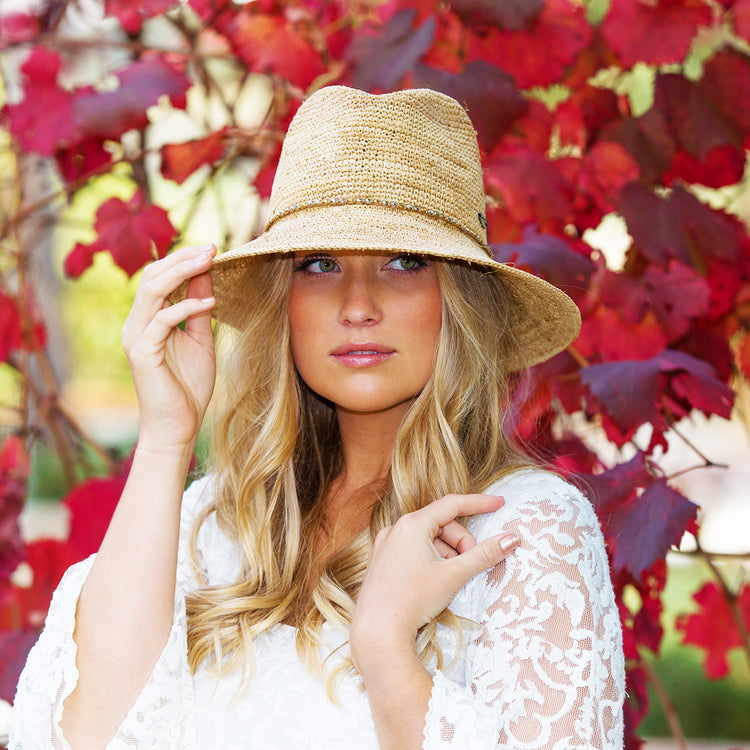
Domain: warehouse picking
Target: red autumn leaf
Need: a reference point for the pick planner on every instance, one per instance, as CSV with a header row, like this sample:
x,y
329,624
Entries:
x,y
130,231
11,335
694,119
14,646
630,391
676,296
711,345
83,158
506,14
27,607
713,627
611,488
141,85
268,44
636,706
91,505
647,139
740,17
18,27
488,93
742,355
30,120
533,130
648,525
529,186
724,165
14,470
180,160
677,226
132,15
607,335
381,57
549,257
584,114
647,627
656,33
598,178
540,55
726,81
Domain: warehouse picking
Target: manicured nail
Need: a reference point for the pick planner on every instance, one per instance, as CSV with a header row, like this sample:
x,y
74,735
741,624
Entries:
x,y
207,300
202,258
509,543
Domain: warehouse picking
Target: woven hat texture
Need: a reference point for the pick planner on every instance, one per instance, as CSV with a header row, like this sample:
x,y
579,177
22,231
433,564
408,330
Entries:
x,y
397,172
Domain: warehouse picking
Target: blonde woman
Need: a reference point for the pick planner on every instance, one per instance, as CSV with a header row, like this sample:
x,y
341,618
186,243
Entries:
x,y
371,562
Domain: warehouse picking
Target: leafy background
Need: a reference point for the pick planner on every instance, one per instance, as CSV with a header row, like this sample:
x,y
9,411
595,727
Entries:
x,y
130,128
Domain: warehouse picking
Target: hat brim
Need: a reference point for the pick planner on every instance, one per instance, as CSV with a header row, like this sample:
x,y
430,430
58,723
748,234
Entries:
x,y
544,319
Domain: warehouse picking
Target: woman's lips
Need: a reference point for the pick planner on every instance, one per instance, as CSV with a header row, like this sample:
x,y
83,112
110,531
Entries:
x,y
362,355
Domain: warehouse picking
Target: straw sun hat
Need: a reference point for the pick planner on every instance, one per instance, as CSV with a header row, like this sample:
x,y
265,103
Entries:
x,y
396,172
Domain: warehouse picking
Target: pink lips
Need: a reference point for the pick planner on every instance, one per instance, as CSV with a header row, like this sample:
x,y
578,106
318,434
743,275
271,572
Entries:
x,y
361,355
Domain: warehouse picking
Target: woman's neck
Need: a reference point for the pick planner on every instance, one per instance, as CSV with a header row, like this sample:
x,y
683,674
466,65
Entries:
x,y
366,445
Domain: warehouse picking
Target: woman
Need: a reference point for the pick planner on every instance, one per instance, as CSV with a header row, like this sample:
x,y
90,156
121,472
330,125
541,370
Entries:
x,y
364,400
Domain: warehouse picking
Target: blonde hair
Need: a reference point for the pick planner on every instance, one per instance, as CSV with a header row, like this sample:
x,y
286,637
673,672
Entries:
x,y
276,449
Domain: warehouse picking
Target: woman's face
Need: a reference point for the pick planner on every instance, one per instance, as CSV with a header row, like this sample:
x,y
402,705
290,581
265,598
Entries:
x,y
364,327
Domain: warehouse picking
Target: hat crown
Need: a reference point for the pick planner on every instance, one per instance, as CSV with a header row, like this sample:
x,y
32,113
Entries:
x,y
414,150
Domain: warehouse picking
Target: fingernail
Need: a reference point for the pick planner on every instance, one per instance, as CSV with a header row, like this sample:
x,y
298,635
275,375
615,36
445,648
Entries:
x,y
202,258
509,542
207,300
206,247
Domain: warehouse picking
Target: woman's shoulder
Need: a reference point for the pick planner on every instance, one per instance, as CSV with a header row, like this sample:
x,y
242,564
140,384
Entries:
x,y
533,496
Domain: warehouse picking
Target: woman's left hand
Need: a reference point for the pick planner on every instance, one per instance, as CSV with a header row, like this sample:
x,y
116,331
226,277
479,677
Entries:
x,y
416,568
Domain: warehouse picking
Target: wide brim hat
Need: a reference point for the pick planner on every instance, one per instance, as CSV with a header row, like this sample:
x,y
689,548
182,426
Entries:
x,y
397,172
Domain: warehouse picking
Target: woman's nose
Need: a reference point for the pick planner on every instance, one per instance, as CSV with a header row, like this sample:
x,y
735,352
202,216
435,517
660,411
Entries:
x,y
360,305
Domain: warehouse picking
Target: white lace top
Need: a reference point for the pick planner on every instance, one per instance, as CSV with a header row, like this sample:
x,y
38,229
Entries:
x,y
544,669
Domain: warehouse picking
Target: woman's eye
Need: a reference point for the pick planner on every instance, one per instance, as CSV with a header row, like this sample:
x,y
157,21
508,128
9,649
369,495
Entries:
x,y
406,263
317,265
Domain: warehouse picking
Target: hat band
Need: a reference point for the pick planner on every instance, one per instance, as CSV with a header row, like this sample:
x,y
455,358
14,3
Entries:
x,y
390,204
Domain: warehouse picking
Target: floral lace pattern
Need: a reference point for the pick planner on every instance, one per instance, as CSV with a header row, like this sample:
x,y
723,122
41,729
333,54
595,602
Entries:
x,y
542,667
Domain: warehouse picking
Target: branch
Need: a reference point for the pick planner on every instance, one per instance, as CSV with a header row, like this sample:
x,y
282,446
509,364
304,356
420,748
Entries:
x,y
670,713
730,596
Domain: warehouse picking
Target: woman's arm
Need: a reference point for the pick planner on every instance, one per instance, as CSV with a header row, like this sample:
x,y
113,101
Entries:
x,y
416,568
125,610
545,666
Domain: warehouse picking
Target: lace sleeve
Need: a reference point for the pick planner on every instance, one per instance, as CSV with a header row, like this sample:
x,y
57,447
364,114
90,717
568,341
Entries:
x,y
545,667
162,715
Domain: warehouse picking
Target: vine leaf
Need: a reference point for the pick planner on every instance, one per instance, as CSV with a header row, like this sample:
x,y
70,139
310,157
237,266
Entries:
x,y
632,392
180,160
654,33
488,93
133,232
91,505
267,43
382,56
14,470
713,627
132,15
507,14
541,54
648,525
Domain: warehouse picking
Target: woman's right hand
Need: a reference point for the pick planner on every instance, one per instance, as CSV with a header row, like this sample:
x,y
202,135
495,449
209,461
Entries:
x,y
173,370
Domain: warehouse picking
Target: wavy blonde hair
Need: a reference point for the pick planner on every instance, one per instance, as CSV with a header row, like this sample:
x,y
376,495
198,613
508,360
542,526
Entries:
x,y
276,449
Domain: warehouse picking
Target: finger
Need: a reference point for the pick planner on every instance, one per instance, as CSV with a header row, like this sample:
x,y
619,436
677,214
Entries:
x,y
484,555
200,287
450,507
155,287
444,550
169,317
457,536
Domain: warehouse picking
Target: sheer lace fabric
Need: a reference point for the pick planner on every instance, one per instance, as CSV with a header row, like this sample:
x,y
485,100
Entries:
x,y
541,668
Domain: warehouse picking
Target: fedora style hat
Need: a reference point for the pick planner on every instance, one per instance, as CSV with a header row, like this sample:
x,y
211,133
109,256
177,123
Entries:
x,y
397,172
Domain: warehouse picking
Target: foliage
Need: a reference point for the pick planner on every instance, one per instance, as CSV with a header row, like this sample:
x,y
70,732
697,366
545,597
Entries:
x,y
187,100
